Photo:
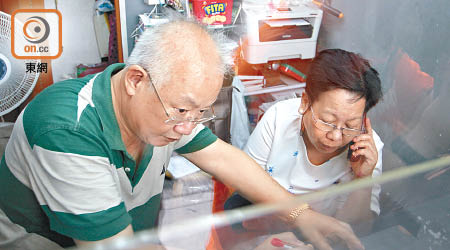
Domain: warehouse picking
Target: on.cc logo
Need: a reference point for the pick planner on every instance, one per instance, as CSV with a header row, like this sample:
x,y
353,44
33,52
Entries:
x,y
36,29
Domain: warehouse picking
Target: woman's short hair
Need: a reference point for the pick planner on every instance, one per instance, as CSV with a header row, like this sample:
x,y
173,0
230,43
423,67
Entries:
x,y
340,69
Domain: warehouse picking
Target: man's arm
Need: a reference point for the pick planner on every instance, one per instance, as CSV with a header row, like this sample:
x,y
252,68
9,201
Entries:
x,y
128,231
233,167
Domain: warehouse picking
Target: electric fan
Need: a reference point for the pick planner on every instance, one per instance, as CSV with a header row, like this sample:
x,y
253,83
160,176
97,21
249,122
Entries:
x,y
16,83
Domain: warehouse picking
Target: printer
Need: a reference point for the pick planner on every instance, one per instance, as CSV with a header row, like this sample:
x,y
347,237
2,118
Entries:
x,y
277,32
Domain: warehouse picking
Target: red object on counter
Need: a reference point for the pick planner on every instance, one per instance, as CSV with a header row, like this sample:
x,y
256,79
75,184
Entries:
x,y
292,72
279,243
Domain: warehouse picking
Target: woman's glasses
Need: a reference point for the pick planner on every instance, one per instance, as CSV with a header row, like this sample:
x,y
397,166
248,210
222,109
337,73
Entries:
x,y
328,127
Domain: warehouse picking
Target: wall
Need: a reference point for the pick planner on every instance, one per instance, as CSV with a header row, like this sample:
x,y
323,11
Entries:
x,y
79,42
133,9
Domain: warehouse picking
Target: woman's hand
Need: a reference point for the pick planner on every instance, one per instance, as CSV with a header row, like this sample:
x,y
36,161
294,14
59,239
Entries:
x,y
365,150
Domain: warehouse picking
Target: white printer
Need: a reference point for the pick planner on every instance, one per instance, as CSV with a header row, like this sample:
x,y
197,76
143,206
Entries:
x,y
276,32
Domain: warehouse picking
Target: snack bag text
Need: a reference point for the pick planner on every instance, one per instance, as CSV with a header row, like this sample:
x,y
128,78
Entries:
x,y
213,12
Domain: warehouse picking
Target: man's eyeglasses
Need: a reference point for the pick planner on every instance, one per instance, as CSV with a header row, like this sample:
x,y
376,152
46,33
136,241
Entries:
x,y
328,127
203,115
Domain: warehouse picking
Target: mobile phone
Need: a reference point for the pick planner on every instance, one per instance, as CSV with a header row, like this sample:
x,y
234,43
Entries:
x,y
350,157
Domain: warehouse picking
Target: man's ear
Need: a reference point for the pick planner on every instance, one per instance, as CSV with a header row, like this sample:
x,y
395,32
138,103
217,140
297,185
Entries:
x,y
304,104
134,77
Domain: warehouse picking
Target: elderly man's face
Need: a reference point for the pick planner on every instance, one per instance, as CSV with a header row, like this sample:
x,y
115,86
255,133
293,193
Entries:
x,y
186,93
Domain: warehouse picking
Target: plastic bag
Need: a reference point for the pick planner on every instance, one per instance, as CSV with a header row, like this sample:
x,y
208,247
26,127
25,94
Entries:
x,y
240,125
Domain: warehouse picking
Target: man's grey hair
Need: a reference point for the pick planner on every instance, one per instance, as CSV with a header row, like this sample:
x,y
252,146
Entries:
x,y
150,54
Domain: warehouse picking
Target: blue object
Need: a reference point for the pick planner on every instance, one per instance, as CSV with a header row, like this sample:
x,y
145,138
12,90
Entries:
x,y
3,69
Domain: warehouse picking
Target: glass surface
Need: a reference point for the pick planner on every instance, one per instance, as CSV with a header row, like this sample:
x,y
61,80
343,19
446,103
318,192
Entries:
x,y
407,42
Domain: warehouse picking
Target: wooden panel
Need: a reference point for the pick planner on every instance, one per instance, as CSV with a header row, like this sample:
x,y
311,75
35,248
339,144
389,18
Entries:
x,y
8,6
119,31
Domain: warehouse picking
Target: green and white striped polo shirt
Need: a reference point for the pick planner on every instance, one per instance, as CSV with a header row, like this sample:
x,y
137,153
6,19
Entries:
x,y
66,173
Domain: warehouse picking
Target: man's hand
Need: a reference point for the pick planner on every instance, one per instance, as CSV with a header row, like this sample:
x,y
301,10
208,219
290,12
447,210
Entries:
x,y
365,150
319,228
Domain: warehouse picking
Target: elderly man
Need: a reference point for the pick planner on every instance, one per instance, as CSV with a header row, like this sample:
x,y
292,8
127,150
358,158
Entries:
x,y
87,157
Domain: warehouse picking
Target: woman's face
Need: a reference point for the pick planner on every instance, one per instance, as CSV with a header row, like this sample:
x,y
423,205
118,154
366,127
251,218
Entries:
x,y
339,107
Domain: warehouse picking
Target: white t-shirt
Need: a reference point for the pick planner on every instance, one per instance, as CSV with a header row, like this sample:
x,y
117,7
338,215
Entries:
x,y
276,145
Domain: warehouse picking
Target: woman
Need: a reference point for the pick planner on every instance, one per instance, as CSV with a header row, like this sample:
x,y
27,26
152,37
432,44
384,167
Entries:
x,y
325,137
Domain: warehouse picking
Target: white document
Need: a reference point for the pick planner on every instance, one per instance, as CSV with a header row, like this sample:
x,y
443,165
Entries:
x,y
180,166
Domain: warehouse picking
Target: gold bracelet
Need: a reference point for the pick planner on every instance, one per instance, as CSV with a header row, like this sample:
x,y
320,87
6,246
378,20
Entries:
x,y
296,212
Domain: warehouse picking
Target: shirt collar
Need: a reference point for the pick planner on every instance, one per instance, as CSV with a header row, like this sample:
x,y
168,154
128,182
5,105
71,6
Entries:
x,y
102,99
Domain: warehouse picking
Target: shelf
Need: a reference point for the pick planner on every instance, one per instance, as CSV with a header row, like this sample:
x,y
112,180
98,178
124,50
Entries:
x,y
254,85
274,89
